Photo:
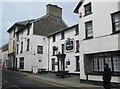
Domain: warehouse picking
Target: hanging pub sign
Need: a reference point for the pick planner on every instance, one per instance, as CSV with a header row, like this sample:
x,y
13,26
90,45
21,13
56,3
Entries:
x,y
69,45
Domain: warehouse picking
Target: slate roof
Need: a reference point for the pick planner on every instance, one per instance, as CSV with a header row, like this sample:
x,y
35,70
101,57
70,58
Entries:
x,y
48,24
20,24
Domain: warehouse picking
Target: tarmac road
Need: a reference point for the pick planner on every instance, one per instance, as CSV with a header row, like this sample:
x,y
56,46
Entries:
x,y
13,80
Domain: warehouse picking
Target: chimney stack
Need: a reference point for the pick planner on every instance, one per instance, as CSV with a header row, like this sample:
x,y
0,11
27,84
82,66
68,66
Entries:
x,y
54,10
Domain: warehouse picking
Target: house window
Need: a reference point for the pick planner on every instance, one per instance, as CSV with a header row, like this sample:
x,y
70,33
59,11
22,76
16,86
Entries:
x,y
21,47
53,51
116,63
17,48
77,46
53,38
62,45
77,63
88,9
40,49
13,45
62,35
14,33
28,31
21,63
28,43
89,29
116,22
77,31
53,64
111,58
17,37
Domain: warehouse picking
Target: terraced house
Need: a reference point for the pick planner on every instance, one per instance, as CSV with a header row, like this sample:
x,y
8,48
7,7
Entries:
x,y
12,62
99,24
31,42
64,42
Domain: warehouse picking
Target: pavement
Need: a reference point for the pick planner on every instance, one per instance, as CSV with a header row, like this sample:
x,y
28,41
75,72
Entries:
x,y
72,81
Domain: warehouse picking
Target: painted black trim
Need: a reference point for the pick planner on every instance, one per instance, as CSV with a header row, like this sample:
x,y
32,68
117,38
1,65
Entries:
x,y
78,6
63,30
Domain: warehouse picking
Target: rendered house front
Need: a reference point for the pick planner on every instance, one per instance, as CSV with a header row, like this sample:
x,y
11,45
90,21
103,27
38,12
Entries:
x,y
99,24
66,42
32,42
4,54
12,63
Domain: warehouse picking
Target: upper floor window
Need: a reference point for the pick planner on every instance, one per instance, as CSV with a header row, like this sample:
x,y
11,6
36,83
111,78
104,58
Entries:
x,y
17,37
28,43
40,49
116,22
77,46
13,44
77,31
55,49
28,31
14,33
88,9
62,48
62,35
21,47
89,29
17,48
53,38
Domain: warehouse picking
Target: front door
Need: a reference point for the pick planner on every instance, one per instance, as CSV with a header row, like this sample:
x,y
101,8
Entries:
x,y
53,63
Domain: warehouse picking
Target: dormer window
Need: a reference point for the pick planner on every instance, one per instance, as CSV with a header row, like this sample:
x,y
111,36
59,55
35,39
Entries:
x,y
88,9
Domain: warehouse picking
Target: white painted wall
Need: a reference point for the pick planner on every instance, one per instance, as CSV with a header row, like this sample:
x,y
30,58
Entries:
x,y
70,55
102,40
31,58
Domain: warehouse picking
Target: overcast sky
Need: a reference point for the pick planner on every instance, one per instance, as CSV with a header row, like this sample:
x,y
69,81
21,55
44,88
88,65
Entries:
x,y
19,11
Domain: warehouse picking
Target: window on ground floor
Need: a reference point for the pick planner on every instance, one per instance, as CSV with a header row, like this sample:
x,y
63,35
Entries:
x,y
53,63
77,63
21,63
98,60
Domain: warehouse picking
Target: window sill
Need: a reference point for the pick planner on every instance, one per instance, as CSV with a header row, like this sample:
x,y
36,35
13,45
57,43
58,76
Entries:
x,y
88,38
77,71
76,34
116,32
62,38
77,52
101,73
87,14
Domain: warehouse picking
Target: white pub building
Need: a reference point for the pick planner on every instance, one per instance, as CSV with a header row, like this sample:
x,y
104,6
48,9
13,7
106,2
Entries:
x,y
65,42
99,24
